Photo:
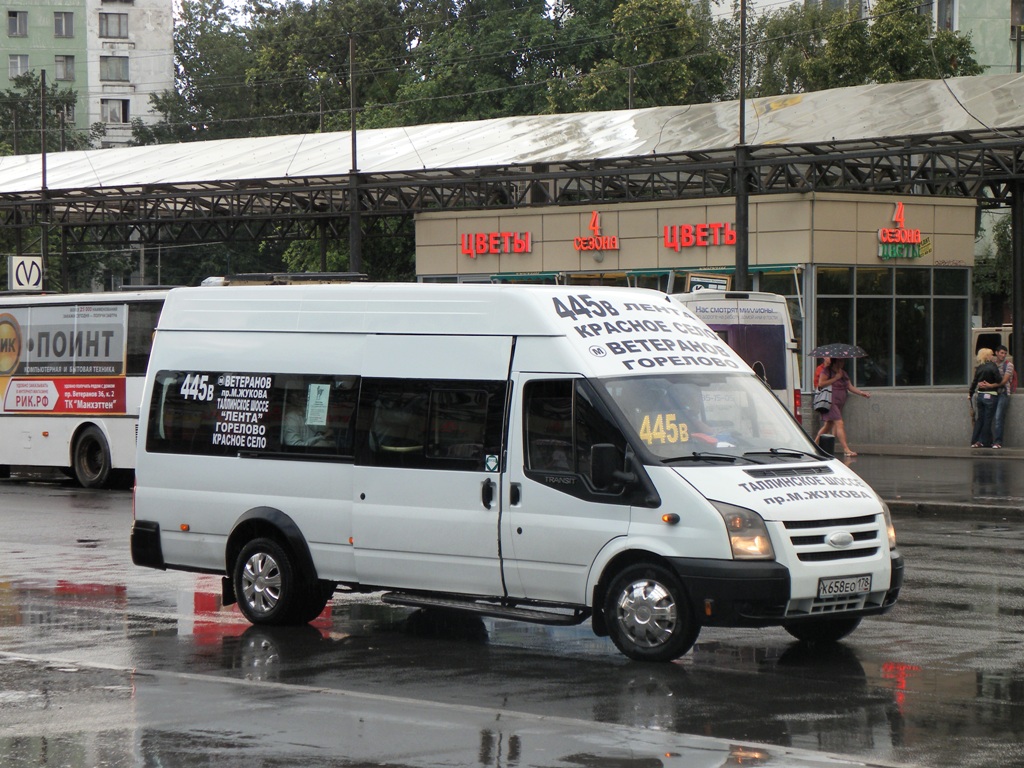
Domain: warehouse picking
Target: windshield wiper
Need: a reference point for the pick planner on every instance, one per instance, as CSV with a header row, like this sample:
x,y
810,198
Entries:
x,y
709,456
785,452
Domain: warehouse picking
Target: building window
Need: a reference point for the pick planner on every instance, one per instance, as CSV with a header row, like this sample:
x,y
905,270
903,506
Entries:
x,y
65,66
17,23
114,110
912,322
69,113
1016,17
63,24
17,64
114,25
114,68
943,13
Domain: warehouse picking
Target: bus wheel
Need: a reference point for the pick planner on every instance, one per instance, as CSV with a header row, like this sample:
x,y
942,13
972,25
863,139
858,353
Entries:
x,y
91,459
268,587
823,630
648,614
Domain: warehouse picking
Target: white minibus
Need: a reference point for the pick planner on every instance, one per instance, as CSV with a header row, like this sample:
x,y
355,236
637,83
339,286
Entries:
x,y
542,453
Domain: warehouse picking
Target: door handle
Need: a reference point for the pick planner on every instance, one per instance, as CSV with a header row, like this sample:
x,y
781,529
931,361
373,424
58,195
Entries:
x,y
515,494
487,493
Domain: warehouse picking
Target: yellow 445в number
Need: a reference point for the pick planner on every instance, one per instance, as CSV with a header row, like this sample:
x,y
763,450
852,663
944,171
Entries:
x,y
663,428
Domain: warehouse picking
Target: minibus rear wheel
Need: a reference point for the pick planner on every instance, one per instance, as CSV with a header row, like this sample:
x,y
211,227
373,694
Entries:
x,y
271,590
91,458
648,614
823,630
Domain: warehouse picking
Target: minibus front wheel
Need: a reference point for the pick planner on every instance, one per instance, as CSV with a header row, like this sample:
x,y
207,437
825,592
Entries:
x,y
648,614
270,589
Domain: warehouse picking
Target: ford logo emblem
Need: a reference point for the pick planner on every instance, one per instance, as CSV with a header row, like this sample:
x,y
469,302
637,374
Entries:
x,y
840,539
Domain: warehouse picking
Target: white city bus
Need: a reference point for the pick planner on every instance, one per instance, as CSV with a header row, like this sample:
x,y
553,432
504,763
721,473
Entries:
x,y
72,368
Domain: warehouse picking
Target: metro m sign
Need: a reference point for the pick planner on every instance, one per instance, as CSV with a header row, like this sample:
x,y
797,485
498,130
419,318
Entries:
x,y
25,273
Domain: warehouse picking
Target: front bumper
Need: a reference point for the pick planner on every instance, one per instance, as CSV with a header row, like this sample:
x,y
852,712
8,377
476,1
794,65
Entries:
x,y
735,593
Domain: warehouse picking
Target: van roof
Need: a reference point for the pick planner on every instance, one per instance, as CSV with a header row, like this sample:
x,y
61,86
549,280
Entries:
x,y
607,331
405,308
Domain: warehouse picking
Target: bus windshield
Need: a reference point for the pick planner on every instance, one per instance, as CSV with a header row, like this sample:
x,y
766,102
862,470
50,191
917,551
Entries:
x,y
731,414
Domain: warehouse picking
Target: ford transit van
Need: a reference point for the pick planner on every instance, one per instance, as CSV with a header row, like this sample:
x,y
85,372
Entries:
x,y
542,453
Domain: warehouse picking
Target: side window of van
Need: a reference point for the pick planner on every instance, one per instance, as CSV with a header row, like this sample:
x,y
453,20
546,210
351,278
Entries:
x,y
431,423
271,415
562,424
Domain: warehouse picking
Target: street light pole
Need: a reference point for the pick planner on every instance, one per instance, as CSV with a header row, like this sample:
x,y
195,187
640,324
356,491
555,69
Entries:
x,y
355,235
742,196
44,219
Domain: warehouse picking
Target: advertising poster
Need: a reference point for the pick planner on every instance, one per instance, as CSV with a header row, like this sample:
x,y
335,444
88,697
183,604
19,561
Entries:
x,y
63,359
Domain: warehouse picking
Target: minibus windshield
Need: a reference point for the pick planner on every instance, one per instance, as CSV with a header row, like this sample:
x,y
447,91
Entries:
x,y
680,415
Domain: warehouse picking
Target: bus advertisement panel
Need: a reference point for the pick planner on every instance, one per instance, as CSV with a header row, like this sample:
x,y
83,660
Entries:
x,y
63,359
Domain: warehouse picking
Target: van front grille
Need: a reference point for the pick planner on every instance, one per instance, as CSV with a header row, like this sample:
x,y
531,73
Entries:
x,y
812,540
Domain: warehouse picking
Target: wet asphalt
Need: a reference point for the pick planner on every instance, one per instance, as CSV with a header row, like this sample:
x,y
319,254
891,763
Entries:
x,y
954,482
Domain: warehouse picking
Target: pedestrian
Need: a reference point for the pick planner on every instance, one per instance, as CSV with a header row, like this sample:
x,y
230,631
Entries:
x,y
825,363
826,426
836,376
1006,371
985,385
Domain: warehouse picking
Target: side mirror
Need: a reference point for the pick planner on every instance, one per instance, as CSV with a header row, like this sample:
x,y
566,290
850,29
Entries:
x,y
606,466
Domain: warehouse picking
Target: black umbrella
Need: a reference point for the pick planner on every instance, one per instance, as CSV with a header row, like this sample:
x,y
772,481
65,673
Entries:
x,y
837,350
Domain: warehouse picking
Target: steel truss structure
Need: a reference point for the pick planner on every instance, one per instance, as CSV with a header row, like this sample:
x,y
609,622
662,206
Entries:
x,y
985,165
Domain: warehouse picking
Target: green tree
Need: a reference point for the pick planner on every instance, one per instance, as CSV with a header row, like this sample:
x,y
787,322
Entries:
x,y
807,48
211,99
300,73
647,46
20,118
811,48
901,46
993,273
388,252
475,59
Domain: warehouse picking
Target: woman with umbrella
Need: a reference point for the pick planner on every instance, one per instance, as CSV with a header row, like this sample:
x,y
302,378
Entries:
x,y
835,376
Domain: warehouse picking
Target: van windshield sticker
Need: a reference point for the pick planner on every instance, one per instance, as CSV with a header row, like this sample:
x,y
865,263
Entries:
x,y
626,335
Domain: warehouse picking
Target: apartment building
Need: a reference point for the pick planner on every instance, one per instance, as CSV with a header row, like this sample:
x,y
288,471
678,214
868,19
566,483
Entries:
x,y
114,53
992,28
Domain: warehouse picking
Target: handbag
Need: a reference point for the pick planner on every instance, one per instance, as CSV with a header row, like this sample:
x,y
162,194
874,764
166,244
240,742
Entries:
x,y
822,402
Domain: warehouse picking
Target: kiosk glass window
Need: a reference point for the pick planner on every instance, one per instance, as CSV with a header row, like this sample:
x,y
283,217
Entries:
x,y
950,343
913,334
835,280
874,334
912,321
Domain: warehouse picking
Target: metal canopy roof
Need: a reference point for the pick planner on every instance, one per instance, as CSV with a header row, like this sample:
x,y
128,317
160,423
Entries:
x,y
963,136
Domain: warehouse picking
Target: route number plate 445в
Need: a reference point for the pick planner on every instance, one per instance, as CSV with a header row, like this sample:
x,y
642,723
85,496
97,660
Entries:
x,y
847,585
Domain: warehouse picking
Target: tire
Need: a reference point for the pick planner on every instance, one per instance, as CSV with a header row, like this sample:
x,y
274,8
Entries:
x,y
649,615
823,630
315,600
270,589
90,459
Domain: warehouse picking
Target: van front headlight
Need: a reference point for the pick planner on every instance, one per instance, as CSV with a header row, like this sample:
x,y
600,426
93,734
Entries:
x,y
748,535
890,529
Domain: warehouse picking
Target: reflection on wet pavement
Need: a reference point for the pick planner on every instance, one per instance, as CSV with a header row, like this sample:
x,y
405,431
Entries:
x,y
830,698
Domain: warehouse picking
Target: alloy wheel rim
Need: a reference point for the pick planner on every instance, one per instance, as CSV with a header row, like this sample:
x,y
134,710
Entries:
x,y
647,613
261,582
